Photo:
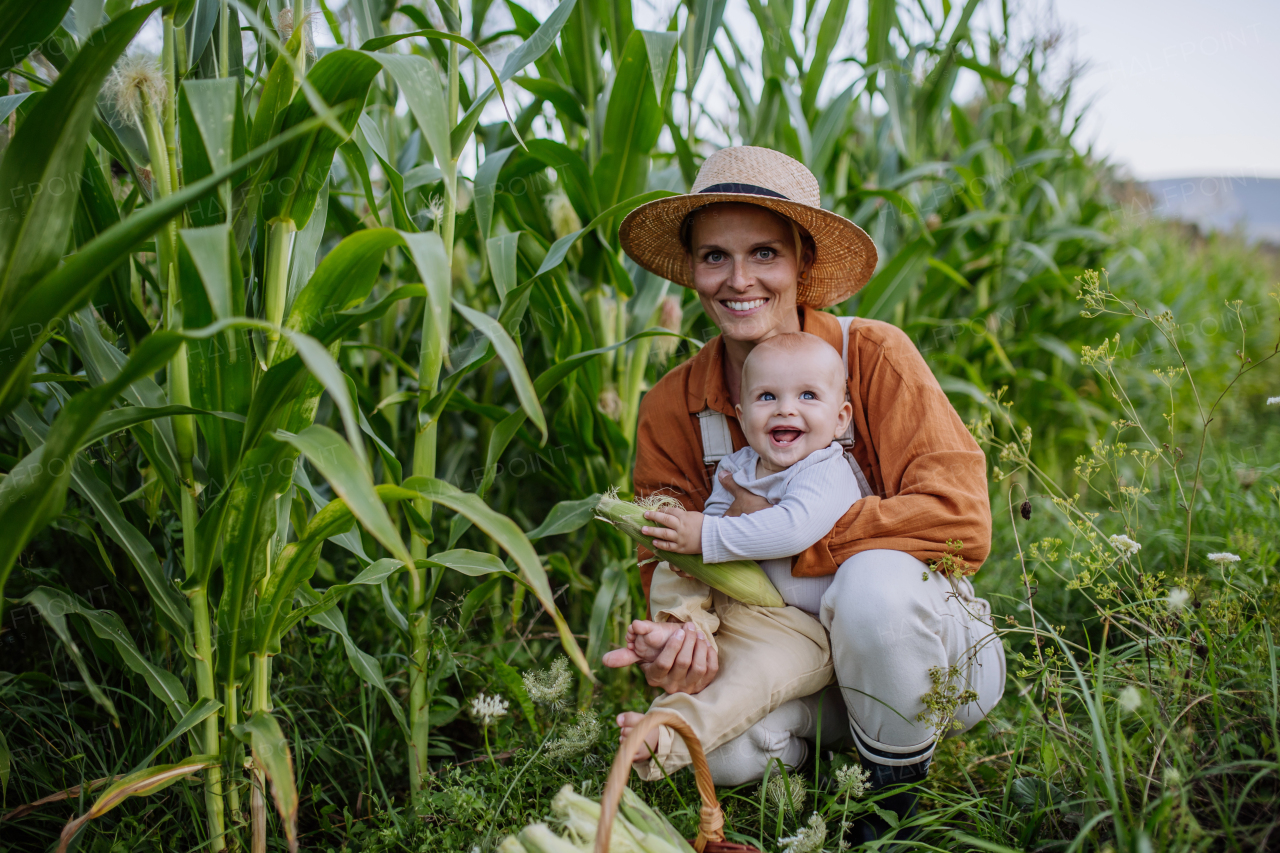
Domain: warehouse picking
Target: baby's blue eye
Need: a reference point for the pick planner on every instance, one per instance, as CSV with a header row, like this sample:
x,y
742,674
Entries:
x,y
808,395
768,397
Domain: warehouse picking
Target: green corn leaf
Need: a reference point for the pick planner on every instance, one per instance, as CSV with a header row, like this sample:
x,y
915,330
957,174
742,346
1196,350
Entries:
x,y
560,248
833,21
631,126
556,94
514,684
613,586
471,563
363,664
512,359
54,606
72,282
508,535
341,78
197,714
566,517
422,86
486,184
273,760
891,284
475,600
700,35
34,492
41,166
336,460
537,44
24,25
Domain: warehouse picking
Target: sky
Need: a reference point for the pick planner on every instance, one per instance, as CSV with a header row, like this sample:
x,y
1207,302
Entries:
x,y
1179,88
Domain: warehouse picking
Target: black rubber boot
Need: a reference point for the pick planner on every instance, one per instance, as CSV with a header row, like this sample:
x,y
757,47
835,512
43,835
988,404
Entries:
x,y
901,780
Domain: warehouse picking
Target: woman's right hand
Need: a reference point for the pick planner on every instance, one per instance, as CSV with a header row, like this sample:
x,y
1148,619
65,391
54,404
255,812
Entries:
x,y
744,502
686,664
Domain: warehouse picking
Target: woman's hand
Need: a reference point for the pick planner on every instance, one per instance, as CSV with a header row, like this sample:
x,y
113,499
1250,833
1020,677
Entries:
x,y
686,664
744,502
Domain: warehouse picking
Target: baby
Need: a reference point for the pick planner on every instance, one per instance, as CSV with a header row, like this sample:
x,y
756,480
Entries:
x,y
794,405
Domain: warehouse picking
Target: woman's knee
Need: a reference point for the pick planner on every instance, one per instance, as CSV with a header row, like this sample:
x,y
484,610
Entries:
x,y
873,588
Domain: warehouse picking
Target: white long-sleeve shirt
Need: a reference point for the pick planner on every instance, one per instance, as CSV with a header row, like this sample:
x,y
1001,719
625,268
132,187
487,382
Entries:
x,y
808,498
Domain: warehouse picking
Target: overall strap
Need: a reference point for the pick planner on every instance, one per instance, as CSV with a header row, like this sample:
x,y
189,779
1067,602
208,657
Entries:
x,y
847,440
717,440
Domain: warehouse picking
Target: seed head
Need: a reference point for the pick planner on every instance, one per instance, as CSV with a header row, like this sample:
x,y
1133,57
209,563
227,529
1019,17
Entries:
x,y
809,839
581,737
284,26
1026,510
1177,599
787,795
549,686
137,81
1131,699
487,709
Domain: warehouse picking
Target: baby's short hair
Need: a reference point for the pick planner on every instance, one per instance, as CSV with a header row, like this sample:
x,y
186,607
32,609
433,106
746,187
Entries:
x,y
823,354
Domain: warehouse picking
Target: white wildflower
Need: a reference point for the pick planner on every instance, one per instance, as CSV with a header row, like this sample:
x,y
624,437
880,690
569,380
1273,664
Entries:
x,y
486,709
809,839
549,686
578,738
1131,699
1171,777
853,779
1224,558
787,795
1126,546
1178,598
1272,401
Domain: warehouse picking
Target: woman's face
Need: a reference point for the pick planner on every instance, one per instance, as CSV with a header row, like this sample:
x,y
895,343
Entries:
x,y
745,270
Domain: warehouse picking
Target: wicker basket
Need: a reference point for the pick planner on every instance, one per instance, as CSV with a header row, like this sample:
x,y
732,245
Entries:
x,y
711,821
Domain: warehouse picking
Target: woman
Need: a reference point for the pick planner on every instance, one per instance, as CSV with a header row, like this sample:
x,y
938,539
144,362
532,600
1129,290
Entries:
x,y
763,256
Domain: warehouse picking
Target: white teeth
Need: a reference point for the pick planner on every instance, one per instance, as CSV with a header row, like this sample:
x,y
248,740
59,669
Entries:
x,y
746,306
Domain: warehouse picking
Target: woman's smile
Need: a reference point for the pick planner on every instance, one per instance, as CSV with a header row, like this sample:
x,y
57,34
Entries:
x,y
744,307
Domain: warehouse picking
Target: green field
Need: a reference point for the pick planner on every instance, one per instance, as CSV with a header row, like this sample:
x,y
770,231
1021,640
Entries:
x,y
313,363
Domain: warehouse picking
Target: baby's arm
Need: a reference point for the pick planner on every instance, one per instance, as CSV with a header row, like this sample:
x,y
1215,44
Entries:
x,y
816,498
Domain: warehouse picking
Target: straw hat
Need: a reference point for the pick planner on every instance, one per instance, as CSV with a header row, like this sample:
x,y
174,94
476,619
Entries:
x,y
845,257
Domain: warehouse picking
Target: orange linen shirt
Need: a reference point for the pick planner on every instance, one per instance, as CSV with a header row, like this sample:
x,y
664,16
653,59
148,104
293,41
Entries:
x,y
928,473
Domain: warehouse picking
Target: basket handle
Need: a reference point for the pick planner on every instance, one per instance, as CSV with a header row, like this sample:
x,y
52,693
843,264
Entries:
x,y
711,819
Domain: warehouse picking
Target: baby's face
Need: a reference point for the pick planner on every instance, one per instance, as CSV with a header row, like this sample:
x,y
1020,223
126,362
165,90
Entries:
x,y
791,406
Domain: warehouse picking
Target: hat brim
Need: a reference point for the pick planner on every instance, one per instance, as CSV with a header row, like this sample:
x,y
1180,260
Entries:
x,y
845,255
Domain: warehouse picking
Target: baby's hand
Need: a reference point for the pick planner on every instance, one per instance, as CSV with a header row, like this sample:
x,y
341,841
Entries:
x,y
681,532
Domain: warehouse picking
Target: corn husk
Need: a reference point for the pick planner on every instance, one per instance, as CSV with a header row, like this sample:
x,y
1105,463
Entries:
x,y
743,580
538,838
511,845
579,817
649,820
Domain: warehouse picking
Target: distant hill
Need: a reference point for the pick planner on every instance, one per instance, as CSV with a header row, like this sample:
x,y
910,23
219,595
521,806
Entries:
x,y
1221,204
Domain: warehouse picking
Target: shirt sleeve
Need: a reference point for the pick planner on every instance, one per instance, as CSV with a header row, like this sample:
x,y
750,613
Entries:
x,y
815,499
721,498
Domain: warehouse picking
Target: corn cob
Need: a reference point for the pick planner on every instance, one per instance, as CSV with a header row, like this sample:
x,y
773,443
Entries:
x,y
743,580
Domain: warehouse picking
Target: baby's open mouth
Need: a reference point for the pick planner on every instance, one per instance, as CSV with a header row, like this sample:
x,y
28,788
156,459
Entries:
x,y
784,436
